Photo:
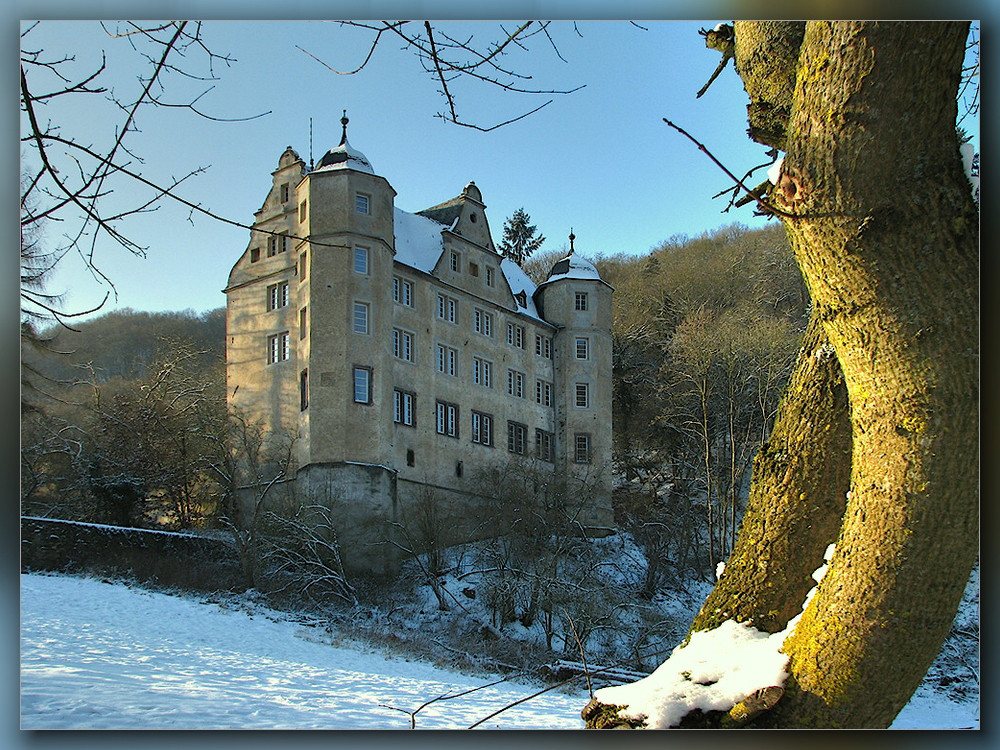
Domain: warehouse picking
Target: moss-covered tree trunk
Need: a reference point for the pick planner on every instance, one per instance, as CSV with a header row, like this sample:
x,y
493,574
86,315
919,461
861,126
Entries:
x,y
888,242
797,498
886,233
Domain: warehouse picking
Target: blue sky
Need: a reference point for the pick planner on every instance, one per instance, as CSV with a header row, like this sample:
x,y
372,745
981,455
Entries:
x,y
599,161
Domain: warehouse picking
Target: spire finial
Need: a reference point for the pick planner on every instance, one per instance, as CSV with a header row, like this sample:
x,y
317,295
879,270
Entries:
x,y
344,121
571,238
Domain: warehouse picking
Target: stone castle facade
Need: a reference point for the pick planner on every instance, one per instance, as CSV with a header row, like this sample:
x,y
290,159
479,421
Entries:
x,y
405,355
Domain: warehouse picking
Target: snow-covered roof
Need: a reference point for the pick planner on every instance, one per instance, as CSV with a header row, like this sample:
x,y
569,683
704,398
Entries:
x,y
419,245
573,267
418,239
520,282
344,156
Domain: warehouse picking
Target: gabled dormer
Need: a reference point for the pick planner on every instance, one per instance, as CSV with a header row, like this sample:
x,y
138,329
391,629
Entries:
x,y
281,197
465,216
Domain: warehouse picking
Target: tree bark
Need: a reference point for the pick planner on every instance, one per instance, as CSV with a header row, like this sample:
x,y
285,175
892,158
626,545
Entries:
x,y
885,231
797,498
888,242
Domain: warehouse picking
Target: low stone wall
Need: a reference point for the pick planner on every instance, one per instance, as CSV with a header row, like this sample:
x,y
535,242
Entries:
x,y
165,558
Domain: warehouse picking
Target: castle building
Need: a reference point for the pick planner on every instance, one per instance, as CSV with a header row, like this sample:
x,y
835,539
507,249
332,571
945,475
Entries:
x,y
403,353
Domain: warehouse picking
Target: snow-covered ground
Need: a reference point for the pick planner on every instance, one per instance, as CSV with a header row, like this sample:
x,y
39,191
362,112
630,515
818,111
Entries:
x,y
107,655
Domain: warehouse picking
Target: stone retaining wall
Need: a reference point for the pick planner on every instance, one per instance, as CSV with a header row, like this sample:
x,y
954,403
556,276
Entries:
x,y
165,558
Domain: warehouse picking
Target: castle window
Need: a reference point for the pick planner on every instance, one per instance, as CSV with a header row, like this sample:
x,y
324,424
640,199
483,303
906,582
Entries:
x,y
283,193
543,393
304,390
543,445
522,299
254,254
362,385
581,444
483,322
447,419
278,348
361,203
447,308
517,437
583,395
582,348
302,267
543,346
361,260
482,372
473,269
277,243
490,276
581,300
302,323
456,262
411,459
403,408
361,317
402,291
515,384
402,344
302,212
447,360
277,295
515,335
482,428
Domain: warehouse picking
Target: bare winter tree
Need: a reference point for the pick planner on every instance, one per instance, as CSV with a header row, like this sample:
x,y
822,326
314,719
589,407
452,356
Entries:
x,y
453,57
89,185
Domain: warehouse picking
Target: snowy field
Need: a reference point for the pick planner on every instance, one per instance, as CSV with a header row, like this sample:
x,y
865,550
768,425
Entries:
x,y
98,655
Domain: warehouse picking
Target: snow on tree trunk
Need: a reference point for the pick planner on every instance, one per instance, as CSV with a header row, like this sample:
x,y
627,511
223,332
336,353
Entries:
x,y
886,234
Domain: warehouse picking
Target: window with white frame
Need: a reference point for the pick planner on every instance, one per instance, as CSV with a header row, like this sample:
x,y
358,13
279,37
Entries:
x,y
544,441
447,360
581,301
581,445
515,335
543,346
515,383
361,314
362,385
402,291
583,395
456,262
582,348
447,419
483,322
278,348
482,428
482,372
490,276
361,260
517,438
447,308
277,295
404,410
402,344
362,203
543,392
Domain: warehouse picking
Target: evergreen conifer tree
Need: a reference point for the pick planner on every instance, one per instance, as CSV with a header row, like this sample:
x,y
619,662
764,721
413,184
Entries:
x,y
519,240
